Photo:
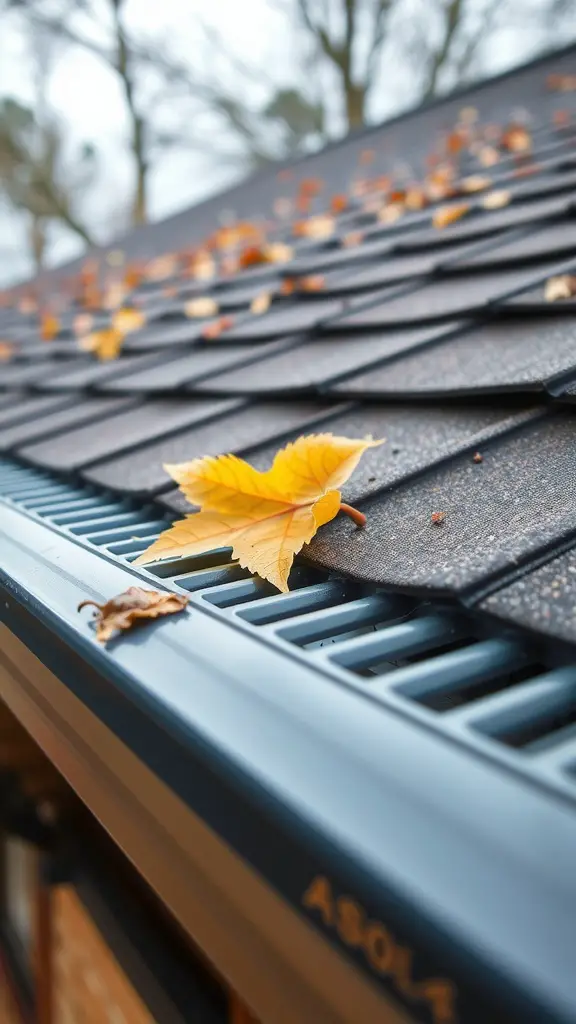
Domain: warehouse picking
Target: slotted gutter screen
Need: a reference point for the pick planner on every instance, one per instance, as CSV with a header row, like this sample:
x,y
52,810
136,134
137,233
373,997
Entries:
x,y
488,691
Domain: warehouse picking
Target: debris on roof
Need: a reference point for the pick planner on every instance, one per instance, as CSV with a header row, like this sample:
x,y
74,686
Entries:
x,y
423,293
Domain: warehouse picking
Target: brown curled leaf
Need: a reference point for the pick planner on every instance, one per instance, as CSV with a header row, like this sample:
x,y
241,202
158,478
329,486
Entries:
x,y
49,326
561,83
261,303
563,286
496,200
437,518
134,605
215,329
202,306
446,215
319,227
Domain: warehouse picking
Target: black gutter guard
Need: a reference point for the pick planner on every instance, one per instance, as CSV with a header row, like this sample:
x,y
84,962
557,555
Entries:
x,y
344,796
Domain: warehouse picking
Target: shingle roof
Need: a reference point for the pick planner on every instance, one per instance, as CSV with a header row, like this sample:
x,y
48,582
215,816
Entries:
x,y
407,323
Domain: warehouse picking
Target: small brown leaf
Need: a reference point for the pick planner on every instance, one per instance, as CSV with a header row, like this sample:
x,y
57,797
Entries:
x,y
261,303
517,139
215,329
49,326
287,286
561,83
475,183
322,226
311,283
278,252
561,287
338,203
446,215
416,198
202,266
438,518
204,305
495,200
106,344
114,295
488,156
477,457
135,604
161,267
352,238
127,320
391,212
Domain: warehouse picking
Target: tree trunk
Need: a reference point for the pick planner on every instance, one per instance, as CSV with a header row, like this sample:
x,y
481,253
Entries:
x,y
38,242
355,103
140,205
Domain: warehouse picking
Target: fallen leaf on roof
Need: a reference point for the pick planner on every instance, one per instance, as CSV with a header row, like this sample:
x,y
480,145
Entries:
x,y
496,200
135,605
278,252
261,303
266,517
6,351
416,198
322,226
475,183
477,457
561,83
517,139
338,203
391,212
488,156
161,267
105,344
455,142
287,286
352,238
202,266
127,320
446,215
561,287
49,326
204,305
311,283
215,329
310,186
114,295
251,256
437,518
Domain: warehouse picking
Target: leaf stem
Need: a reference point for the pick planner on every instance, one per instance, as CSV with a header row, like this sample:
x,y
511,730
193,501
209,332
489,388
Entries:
x,y
358,517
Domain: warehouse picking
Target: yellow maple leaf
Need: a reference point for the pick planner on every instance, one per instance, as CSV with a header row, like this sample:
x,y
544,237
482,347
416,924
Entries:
x,y
266,517
105,344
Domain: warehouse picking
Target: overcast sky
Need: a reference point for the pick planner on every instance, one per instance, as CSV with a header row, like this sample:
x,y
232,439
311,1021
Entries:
x,y
86,96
